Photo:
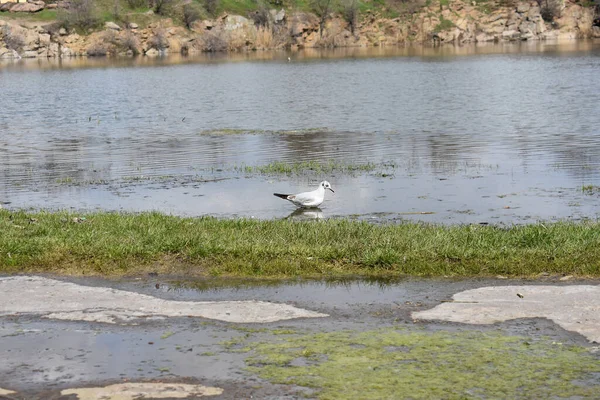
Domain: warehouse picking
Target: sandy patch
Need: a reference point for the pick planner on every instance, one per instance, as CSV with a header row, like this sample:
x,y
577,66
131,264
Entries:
x,y
135,391
69,301
575,308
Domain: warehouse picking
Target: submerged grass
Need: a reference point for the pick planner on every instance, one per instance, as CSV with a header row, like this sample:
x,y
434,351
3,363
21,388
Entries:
x,y
118,244
590,189
390,363
229,131
317,167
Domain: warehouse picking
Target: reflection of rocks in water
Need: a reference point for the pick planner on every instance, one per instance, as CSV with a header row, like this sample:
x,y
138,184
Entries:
x,y
305,214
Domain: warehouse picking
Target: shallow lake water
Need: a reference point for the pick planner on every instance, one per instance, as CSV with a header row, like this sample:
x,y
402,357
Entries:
x,y
489,134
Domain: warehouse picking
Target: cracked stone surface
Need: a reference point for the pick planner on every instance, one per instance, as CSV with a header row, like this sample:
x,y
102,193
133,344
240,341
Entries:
x,y
134,391
575,308
5,392
56,299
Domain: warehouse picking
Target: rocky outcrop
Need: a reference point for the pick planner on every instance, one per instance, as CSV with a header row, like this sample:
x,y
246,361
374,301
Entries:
x,y
467,23
31,6
458,22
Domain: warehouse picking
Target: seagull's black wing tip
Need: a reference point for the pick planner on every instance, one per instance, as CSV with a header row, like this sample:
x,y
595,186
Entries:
x,y
282,196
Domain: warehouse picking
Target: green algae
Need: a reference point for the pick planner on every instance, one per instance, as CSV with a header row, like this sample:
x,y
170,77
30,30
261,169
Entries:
x,y
397,364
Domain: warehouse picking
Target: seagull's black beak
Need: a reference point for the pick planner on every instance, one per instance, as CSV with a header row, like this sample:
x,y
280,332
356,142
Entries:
x,y
331,190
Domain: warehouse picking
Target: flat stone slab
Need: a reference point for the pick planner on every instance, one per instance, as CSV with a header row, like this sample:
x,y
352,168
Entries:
x,y
135,391
575,308
69,301
5,392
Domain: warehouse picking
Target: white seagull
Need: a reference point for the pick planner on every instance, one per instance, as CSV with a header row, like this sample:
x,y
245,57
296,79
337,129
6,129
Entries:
x,y
308,199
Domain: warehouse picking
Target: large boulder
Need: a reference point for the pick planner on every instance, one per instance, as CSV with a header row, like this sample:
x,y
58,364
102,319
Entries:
x,y
484,37
8,53
112,26
66,52
29,54
28,7
511,35
528,26
152,52
534,13
523,7
277,16
53,50
299,28
44,39
236,22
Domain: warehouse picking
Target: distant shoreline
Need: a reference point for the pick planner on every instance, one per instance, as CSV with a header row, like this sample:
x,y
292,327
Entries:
x,y
437,23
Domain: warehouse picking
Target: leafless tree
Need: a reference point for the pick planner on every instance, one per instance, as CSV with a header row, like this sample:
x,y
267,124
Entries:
x,y
211,6
350,13
322,8
162,7
81,14
191,14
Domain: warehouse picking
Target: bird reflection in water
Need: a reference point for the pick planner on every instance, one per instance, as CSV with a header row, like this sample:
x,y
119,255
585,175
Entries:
x,y
306,214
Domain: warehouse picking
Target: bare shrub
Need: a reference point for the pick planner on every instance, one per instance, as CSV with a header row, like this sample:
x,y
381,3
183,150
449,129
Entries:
x,y
162,7
350,13
111,37
133,4
97,49
129,42
82,15
508,3
159,40
407,7
191,14
282,36
211,7
116,10
330,40
185,49
550,10
13,40
264,38
261,16
236,40
322,8
214,41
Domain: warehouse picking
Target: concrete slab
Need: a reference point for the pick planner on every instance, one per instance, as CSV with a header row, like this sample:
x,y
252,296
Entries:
x,y
56,299
5,392
135,391
575,308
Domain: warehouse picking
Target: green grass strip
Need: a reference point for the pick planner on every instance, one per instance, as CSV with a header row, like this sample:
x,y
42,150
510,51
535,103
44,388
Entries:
x,y
119,244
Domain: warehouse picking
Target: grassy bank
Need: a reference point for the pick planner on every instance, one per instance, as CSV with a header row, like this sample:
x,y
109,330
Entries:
x,y
119,244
